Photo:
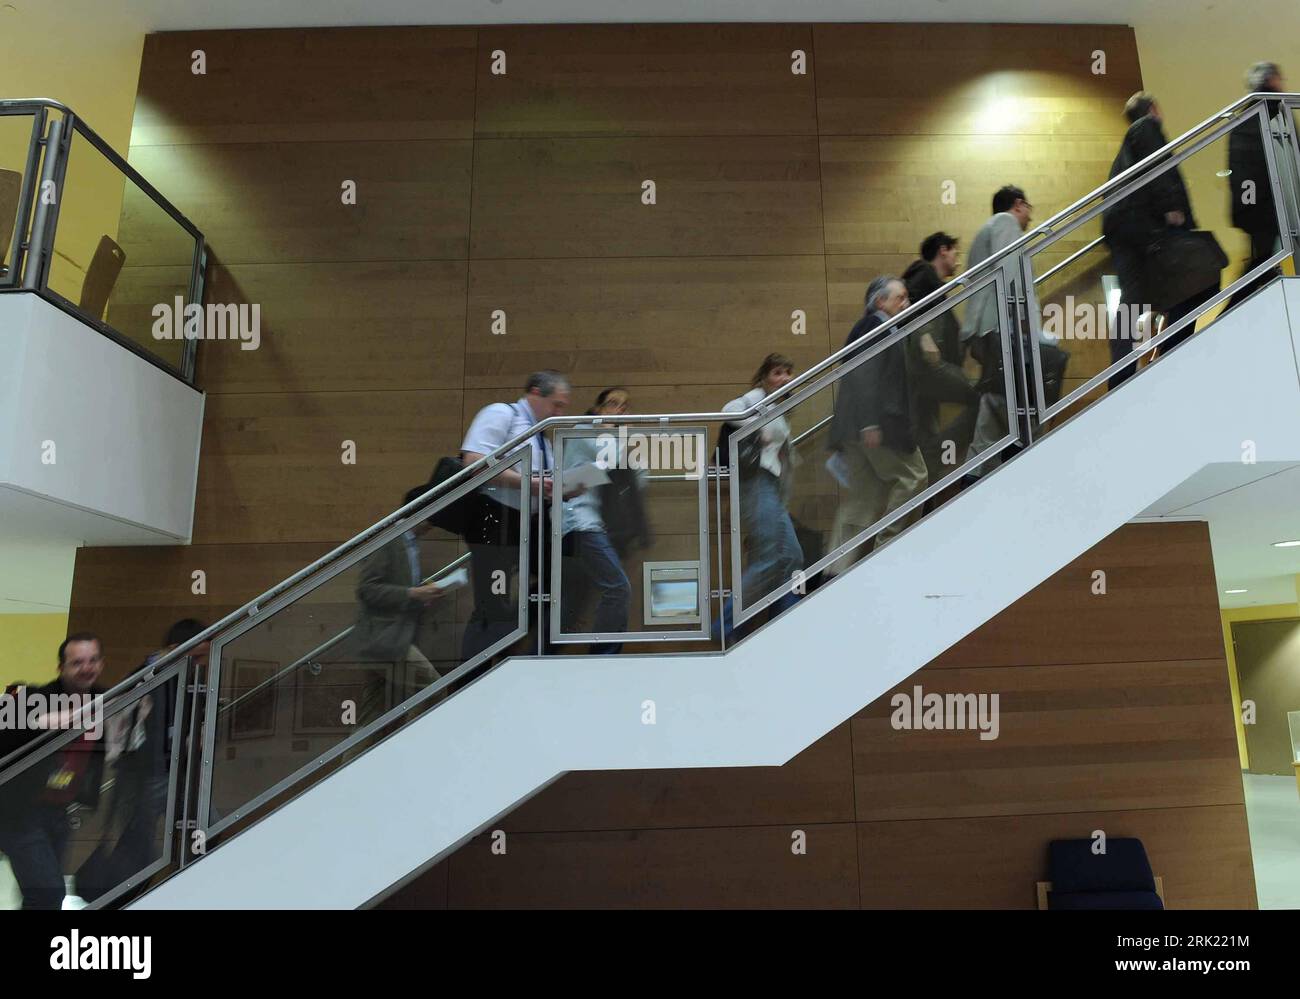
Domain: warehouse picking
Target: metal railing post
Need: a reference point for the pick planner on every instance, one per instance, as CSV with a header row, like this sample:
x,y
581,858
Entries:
x,y
40,247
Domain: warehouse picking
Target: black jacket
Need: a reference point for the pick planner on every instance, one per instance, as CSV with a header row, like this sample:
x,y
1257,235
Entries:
x,y
73,773
922,279
1247,161
1139,218
874,394
388,619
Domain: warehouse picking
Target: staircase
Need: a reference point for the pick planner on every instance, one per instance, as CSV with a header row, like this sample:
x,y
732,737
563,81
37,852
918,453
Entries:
x,y
436,782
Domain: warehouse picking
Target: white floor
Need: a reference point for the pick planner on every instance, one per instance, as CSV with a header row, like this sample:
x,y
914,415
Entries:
x,y
1273,813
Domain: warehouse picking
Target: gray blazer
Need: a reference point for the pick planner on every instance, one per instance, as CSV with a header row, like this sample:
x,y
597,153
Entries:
x,y
388,618
996,234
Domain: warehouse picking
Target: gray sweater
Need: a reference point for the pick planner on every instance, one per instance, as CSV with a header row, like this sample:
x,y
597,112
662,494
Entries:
x,y
996,234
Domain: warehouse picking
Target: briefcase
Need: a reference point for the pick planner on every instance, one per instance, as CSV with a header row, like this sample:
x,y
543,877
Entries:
x,y
1181,264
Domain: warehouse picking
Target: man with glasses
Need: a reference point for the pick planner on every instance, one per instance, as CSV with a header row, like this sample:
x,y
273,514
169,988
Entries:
x,y
982,327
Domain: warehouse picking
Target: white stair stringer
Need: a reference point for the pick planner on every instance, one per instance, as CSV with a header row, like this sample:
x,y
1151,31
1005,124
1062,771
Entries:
x,y
440,779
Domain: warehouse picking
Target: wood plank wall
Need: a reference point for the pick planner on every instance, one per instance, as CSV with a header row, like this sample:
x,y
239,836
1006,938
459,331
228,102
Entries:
x,y
1115,715
776,191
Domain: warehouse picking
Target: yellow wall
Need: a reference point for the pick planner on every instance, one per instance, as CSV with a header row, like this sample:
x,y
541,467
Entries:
x,y
1268,612
86,54
29,645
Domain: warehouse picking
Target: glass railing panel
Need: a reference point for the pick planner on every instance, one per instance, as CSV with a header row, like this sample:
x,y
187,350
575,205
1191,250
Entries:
x,y
122,259
406,619
17,171
632,536
1123,271
854,458
89,816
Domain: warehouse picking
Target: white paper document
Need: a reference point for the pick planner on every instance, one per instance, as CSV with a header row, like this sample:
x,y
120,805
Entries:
x,y
453,580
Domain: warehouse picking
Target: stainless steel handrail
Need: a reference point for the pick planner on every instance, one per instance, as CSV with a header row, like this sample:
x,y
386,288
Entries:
x,y
252,608
113,156
33,256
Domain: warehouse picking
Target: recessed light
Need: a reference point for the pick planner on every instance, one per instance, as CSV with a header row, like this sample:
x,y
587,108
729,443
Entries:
x,y
1286,544
1236,591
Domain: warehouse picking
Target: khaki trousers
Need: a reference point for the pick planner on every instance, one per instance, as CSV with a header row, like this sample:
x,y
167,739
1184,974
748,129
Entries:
x,y
383,691
881,480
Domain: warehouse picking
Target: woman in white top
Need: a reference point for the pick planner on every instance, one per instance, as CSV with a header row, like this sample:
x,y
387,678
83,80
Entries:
x,y
765,464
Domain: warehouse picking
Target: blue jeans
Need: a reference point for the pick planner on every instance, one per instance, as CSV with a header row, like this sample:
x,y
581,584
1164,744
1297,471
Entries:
x,y
594,563
34,842
774,551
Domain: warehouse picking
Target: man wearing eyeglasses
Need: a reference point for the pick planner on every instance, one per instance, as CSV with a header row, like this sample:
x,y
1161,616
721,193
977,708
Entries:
x,y
982,328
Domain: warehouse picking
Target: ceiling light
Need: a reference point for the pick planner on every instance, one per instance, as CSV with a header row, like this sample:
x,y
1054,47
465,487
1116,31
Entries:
x,y
1236,591
1286,544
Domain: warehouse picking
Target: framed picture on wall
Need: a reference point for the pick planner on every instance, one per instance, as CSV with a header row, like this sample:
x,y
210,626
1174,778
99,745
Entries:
x,y
253,707
321,700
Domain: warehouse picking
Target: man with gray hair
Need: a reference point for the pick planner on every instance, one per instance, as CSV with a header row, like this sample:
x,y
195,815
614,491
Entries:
x,y
875,457
1254,209
492,534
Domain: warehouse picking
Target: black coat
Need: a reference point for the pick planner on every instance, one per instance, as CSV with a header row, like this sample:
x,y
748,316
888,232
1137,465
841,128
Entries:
x,y
39,786
874,394
922,279
1247,161
1140,218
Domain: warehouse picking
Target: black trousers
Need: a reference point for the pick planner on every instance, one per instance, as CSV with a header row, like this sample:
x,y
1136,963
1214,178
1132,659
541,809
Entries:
x,y
1130,266
493,539
945,382
35,841
1131,269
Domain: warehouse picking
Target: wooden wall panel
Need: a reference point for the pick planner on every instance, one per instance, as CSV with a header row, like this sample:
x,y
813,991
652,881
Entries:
x,y
272,465
886,193
429,891
307,85
751,867
649,321
973,79
1203,855
1153,572
582,197
645,79
164,575
282,202
1069,738
816,787
327,327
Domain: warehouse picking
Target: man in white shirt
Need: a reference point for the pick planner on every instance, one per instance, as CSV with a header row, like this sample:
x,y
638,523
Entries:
x,y
983,325
493,536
